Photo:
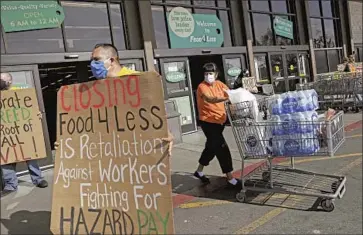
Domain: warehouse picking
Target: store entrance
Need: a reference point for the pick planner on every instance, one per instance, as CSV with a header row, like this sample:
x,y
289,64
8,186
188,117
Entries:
x,y
197,73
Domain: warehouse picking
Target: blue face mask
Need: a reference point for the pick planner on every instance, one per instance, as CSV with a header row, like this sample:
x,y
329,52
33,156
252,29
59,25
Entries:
x,y
98,69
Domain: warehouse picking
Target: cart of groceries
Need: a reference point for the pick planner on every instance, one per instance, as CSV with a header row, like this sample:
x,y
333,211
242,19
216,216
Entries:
x,y
287,125
342,91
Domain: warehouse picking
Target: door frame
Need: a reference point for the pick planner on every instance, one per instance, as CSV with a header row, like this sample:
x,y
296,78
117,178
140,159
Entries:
x,y
193,127
38,89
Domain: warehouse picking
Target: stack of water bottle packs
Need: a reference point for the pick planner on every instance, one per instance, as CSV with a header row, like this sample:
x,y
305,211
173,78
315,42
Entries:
x,y
295,125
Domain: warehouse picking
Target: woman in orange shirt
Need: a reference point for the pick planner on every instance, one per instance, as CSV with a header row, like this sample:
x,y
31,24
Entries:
x,y
211,96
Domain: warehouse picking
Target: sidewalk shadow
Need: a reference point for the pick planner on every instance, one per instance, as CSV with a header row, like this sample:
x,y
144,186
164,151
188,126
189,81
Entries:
x,y
26,222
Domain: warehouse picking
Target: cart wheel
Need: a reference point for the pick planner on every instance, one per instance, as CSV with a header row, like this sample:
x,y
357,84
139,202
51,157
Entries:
x,y
265,176
327,205
241,197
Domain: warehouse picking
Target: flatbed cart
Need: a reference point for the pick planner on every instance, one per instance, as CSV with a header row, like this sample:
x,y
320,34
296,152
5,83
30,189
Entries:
x,y
255,140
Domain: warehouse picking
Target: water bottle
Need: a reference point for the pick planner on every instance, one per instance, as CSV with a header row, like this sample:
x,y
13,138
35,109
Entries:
x,y
292,145
313,103
276,125
301,123
310,144
289,102
312,121
289,124
277,146
302,101
276,105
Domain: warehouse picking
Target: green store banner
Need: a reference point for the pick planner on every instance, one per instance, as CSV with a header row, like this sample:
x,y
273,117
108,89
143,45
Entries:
x,y
30,15
283,27
187,30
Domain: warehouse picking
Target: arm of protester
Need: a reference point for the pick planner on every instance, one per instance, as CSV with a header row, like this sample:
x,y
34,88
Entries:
x,y
56,145
208,97
40,115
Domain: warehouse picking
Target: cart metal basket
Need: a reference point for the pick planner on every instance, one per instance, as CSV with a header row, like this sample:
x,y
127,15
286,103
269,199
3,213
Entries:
x,y
257,138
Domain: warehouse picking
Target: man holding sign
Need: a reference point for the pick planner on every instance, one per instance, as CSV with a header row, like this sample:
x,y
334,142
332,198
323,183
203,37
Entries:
x,y
8,170
112,174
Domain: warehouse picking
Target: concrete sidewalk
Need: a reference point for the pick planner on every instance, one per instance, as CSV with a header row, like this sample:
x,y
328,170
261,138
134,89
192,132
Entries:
x,y
28,210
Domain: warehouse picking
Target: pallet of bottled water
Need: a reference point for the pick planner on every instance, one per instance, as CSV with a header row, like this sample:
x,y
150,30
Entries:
x,y
286,125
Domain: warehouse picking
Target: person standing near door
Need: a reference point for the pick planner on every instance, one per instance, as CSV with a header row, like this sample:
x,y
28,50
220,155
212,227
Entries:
x,y
9,170
211,96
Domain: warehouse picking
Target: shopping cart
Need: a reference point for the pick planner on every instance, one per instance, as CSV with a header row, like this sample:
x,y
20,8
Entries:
x,y
343,92
255,139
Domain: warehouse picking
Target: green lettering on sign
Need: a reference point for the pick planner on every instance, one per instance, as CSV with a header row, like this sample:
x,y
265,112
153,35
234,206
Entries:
x,y
175,77
187,30
30,15
283,27
234,71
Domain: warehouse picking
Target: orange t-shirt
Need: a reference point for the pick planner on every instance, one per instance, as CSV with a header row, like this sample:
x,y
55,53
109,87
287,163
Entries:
x,y
208,112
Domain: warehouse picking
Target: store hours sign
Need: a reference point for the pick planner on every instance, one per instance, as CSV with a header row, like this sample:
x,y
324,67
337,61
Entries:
x,y
30,15
187,30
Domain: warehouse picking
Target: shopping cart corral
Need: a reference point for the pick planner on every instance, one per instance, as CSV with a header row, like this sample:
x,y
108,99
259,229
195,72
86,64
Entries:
x,y
343,92
255,140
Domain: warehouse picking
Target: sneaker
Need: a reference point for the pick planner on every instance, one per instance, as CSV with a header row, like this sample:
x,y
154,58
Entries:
x,y
235,186
203,178
6,192
42,184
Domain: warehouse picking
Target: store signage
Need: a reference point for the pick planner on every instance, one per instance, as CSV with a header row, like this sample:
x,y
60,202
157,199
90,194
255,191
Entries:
x,y
234,71
187,30
283,27
175,77
30,15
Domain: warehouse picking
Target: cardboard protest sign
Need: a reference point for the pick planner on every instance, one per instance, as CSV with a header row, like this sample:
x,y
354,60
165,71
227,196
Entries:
x,y
112,173
21,131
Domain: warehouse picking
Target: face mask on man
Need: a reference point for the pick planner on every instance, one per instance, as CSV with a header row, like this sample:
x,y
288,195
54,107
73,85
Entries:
x,y
98,69
209,78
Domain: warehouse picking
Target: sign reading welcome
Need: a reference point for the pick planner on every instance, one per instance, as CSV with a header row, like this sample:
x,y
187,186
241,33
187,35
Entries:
x,y
187,30
30,15
111,172
21,131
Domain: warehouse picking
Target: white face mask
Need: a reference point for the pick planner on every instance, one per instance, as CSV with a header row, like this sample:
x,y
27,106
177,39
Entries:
x,y
210,78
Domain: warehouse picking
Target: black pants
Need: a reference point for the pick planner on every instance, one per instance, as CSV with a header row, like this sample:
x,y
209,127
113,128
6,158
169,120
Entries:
x,y
215,146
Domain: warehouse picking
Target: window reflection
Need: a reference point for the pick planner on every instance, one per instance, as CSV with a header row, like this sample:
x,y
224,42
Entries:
x,y
261,68
223,15
321,62
277,66
262,30
160,27
2,45
317,33
86,24
329,33
117,26
37,41
334,59
314,8
327,8
292,65
176,77
279,6
204,3
261,5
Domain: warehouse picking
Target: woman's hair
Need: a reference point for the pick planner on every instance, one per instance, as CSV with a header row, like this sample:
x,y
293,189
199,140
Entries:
x,y
210,67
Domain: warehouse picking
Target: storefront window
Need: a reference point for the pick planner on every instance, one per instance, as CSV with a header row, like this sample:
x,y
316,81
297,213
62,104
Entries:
x,y
334,59
261,68
35,41
277,65
263,14
321,62
176,77
2,46
324,22
161,8
87,24
262,31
